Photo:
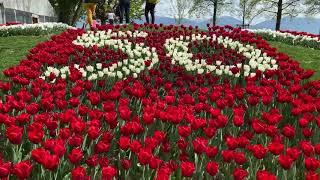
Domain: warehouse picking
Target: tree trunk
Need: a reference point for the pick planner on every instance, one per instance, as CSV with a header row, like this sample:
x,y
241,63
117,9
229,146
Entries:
x,y
103,21
279,15
244,13
215,9
101,12
77,13
64,17
180,19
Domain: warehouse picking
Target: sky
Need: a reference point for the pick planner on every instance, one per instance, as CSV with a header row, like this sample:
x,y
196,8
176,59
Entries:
x,y
164,9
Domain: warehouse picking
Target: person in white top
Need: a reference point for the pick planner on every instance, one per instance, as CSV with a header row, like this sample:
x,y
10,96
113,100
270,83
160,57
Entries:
x,y
111,17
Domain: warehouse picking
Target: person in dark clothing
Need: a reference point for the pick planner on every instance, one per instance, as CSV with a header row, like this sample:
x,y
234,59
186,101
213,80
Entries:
x,y
150,6
124,10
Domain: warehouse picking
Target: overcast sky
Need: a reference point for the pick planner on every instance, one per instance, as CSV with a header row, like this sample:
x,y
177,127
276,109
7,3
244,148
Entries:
x,y
163,7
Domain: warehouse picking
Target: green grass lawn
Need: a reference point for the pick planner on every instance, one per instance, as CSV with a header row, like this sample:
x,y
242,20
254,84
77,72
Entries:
x,y
308,58
13,49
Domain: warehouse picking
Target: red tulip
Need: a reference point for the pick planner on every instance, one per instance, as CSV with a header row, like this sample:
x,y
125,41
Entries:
x,y
5,169
311,164
22,169
92,161
285,161
109,172
187,169
75,156
212,168
79,173
126,164
276,148
239,174
14,134
265,175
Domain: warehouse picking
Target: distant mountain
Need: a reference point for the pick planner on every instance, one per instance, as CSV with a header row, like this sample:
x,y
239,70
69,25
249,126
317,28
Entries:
x,y
224,20
311,25
228,20
159,20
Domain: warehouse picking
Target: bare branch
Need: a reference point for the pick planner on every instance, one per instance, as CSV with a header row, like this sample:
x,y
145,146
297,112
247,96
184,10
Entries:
x,y
289,4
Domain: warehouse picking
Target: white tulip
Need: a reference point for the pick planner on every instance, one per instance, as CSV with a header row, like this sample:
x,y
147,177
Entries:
x,y
84,74
100,74
275,66
50,69
56,72
90,68
99,66
119,74
127,71
47,73
219,72
105,70
92,77
200,71
63,76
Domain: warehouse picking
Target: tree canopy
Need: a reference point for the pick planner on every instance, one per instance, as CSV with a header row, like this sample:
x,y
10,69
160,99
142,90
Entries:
x,y
67,11
247,10
280,8
202,6
313,7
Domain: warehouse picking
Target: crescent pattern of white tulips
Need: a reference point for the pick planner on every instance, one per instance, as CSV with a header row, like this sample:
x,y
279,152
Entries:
x,y
176,49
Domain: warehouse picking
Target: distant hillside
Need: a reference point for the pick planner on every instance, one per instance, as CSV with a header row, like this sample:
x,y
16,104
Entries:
x,y
311,25
159,20
228,20
293,24
201,23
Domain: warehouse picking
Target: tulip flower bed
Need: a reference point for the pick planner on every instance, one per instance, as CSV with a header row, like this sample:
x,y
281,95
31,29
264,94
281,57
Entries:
x,y
32,29
290,37
159,102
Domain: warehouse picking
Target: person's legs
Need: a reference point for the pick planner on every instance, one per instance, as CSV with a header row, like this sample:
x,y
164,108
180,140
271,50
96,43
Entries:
x,y
122,9
93,7
146,12
90,8
93,10
89,15
127,9
152,7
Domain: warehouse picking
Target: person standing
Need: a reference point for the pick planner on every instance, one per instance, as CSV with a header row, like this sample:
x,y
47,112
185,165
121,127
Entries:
x,y
150,6
94,22
90,7
124,10
111,17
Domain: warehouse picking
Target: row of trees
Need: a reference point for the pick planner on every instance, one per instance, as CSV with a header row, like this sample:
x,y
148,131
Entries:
x,y
248,10
71,10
